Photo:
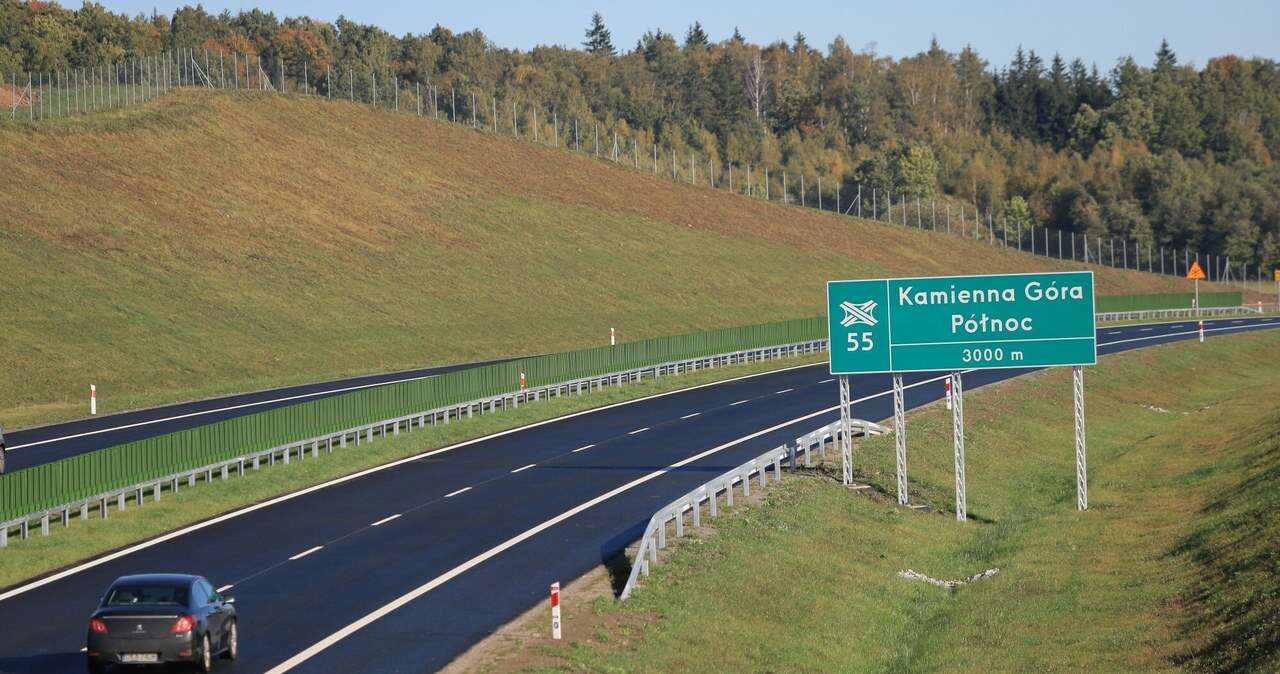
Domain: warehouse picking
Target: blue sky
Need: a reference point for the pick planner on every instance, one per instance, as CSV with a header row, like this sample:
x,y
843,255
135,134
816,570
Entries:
x,y
1096,31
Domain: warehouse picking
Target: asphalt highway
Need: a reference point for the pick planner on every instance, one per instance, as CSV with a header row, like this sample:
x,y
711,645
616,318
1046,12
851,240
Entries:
x,y
46,444
403,567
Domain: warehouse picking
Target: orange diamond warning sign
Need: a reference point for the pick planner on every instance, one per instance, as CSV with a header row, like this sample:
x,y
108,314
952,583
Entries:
x,y
1195,273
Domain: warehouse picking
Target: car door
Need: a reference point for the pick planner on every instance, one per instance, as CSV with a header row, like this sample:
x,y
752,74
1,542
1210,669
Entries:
x,y
212,610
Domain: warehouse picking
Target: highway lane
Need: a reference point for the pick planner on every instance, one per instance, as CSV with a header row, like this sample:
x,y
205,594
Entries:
x,y
456,505
45,444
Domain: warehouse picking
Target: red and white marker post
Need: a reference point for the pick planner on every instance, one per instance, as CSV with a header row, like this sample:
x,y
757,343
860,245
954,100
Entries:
x,y
522,381
1202,331
93,399
613,337
946,384
555,610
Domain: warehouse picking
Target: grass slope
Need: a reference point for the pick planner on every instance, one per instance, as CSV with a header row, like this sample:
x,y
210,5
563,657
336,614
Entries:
x,y
214,242
1174,566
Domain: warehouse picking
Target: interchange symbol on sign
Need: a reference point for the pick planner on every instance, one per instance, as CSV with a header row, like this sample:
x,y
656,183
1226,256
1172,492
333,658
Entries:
x,y
858,313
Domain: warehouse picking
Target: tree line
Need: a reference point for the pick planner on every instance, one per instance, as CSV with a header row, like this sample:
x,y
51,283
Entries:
x,y
1166,154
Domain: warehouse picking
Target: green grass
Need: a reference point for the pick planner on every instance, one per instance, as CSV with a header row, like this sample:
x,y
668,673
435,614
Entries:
x,y
212,242
1174,565
38,555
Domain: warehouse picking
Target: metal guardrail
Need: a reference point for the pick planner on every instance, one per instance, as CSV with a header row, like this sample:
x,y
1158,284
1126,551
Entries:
x,y
655,533
101,503
1176,313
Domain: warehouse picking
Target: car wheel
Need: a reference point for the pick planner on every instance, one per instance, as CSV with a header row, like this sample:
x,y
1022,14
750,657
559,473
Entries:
x,y
96,667
233,642
205,663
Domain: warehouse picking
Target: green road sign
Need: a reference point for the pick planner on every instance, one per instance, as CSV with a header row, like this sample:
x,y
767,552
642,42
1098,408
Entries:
x,y
961,322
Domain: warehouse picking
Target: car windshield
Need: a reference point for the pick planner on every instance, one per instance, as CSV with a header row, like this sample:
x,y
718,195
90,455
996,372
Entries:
x,y
130,595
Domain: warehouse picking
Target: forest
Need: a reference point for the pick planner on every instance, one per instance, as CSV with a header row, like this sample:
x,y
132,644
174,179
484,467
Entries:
x,y
1166,154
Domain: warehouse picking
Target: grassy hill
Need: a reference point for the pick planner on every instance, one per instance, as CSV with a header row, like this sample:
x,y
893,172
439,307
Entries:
x,y
213,242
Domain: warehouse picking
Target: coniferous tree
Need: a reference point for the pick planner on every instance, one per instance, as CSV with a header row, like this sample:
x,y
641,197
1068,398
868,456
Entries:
x,y
599,39
695,36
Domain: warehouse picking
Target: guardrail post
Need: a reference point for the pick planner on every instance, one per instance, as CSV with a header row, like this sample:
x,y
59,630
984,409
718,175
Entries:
x,y
4,535
191,479
763,469
791,458
255,456
286,449
44,525
23,531
728,492
66,517
315,449
84,511
697,511
680,521
139,497
662,534
102,508
746,483
342,444
224,471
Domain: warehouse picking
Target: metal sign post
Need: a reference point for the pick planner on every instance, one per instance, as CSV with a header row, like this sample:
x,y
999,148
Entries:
x,y
957,431
1082,478
846,433
900,438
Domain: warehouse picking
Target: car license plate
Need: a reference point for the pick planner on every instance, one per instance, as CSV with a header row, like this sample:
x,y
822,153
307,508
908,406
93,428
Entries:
x,y
139,658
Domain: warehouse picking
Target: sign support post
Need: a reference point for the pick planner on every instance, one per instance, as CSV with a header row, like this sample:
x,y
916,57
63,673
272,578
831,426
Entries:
x,y
957,431
900,438
846,433
1082,476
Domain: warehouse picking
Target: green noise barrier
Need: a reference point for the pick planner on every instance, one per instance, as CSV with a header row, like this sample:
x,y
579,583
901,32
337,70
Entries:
x,y
1110,303
84,476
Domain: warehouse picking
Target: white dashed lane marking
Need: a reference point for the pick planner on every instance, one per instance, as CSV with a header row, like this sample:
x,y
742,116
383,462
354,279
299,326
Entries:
x,y
224,588
455,493
583,448
824,381
690,416
638,430
385,520
304,553
785,390
737,403
524,468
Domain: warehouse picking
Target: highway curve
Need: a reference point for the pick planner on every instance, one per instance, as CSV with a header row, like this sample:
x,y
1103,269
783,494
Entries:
x,y
401,568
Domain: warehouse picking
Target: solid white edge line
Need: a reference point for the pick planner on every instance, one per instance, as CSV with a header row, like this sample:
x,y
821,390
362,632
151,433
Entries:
x,y
584,447
385,520
224,588
455,493
21,589
524,468
690,416
304,553
449,575
638,430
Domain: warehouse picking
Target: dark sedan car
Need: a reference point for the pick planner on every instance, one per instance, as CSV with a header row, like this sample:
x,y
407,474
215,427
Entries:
x,y
158,618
